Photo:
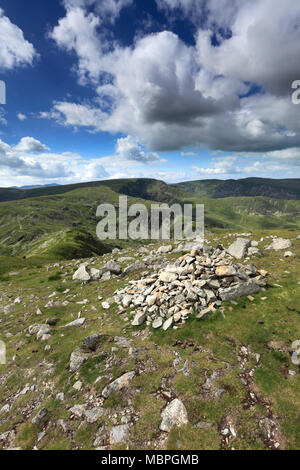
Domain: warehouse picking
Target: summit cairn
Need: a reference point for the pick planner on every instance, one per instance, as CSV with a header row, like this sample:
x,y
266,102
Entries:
x,y
196,283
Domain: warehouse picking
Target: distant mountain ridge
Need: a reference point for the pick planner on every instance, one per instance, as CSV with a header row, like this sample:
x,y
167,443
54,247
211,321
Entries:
x,y
145,188
288,189
151,189
34,186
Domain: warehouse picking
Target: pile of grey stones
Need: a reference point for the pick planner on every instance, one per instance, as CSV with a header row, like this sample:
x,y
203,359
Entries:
x,y
196,284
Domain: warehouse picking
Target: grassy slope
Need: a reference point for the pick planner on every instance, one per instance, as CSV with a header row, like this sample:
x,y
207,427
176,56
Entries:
x,y
252,324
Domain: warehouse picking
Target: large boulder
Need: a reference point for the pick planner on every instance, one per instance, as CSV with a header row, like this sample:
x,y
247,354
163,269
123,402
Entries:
x,y
81,274
174,414
243,288
95,274
134,267
91,343
239,248
113,267
280,244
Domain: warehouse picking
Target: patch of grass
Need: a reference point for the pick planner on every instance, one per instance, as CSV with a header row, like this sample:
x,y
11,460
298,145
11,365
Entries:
x,y
84,436
55,277
90,371
26,436
147,428
189,438
115,400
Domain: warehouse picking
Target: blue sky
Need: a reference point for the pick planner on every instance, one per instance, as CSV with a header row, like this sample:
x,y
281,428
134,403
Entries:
x,y
170,89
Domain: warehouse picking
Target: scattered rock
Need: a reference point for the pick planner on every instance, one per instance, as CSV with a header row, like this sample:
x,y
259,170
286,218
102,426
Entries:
x,y
168,323
119,434
113,267
134,267
5,409
139,319
95,274
91,343
289,254
157,323
162,250
126,301
118,384
78,410
78,358
174,414
75,323
78,385
34,329
93,415
252,251
40,417
210,380
122,342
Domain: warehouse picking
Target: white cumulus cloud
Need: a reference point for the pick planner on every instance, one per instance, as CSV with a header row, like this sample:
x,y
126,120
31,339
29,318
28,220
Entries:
x,y
29,144
21,116
15,50
230,91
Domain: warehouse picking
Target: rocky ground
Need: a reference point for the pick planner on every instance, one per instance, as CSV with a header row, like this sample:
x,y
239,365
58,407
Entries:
x,y
179,346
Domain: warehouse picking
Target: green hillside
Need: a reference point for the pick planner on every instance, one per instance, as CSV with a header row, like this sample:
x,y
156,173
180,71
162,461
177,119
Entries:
x,y
57,226
63,225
